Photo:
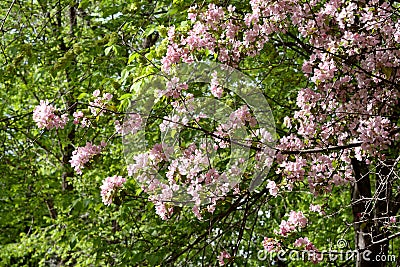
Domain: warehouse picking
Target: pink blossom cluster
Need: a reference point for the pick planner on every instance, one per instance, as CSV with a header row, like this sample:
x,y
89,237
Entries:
x,y
264,159
271,244
222,256
81,155
196,211
163,211
294,170
296,219
99,104
374,133
237,119
187,173
215,88
266,155
79,117
352,64
199,37
191,165
148,161
221,136
272,187
356,98
173,88
132,123
109,188
173,122
304,242
346,104
291,142
175,53
317,167
184,104
45,116
316,256
217,32
317,208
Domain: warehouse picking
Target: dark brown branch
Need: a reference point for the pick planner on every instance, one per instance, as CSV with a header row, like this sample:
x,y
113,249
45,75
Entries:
x,y
320,150
6,16
50,206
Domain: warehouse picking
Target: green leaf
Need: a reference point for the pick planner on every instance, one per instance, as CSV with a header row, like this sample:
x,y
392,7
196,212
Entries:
x,y
108,49
82,95
173,11
125,96
124,75
84,4
133,57
149,30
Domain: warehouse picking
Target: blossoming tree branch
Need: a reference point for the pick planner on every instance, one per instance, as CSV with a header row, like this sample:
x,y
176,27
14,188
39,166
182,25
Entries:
x,y
272,124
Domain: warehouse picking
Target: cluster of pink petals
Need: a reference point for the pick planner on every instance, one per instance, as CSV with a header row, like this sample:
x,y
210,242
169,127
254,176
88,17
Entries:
x,y
374,133
173,88
98,106
237,119
79,117
132,123
315,256
82,155
296,219
344,105
204,36
173,122
187,172
273,189
240,116
196,212
317,208
222,135
163,211
215,88
304,242
271,244
175,53
45,117
221,258
109,188
350,107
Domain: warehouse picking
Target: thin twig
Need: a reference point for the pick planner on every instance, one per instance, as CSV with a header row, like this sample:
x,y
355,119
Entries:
x,y
6,16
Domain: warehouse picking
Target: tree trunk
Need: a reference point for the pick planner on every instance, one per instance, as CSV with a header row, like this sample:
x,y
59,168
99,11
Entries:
x,y
70,101
370,214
